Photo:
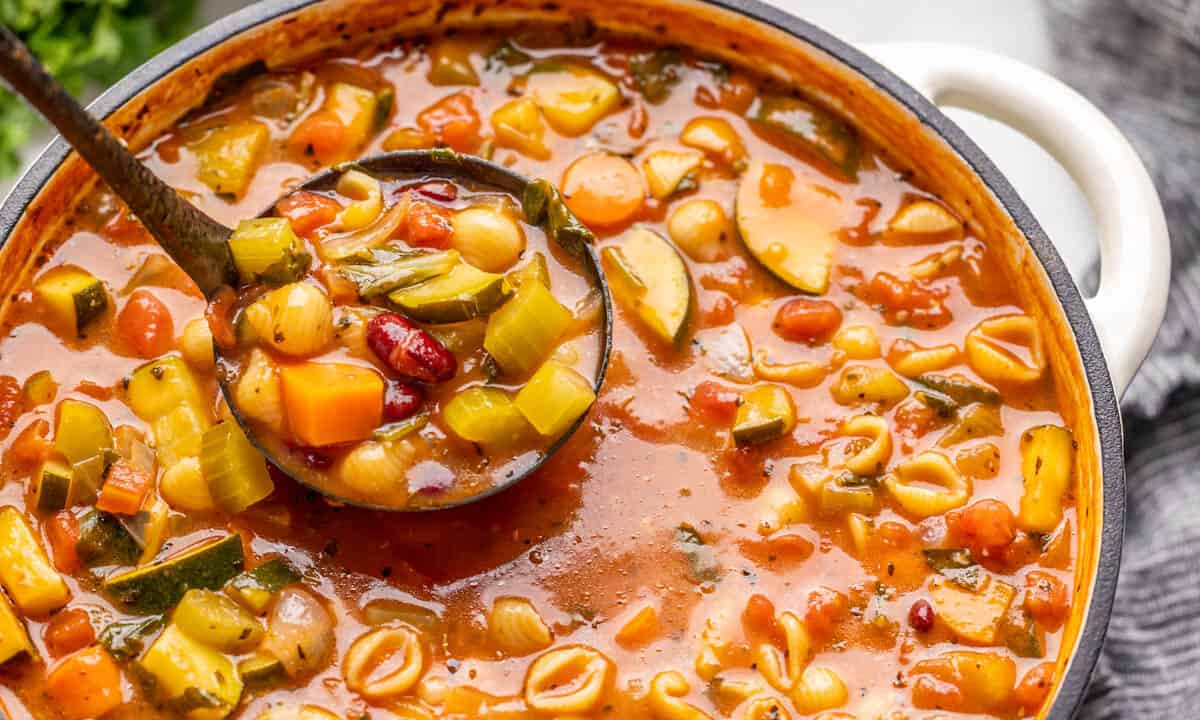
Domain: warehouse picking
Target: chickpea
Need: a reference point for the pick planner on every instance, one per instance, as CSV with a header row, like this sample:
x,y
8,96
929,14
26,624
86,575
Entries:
x,y
701,229
196,343
488,238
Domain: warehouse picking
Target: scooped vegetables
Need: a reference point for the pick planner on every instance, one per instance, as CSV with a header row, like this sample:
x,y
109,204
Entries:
x,y
422,342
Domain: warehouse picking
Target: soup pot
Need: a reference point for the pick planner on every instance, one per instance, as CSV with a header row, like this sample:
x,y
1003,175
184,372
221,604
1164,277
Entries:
x,y
1096,344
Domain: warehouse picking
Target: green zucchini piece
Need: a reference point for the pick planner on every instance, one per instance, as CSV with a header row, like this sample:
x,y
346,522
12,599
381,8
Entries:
x,y
543,205
959,389
73,296
124,639
14,638
82,431
260,669
390,270
268,249
148,528
88,475
39,388
838,497
527,329
235,471
255,589
461,294
165,394
649,278
554,398
656,72
215,620
450,64
191,676
536,268
765,413
53,486
485,415
104,540
792,231
157,587
227,156
815,127
34,585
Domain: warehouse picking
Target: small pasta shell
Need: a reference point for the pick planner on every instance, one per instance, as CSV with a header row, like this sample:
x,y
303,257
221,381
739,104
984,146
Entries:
x,y
763,707
301,320
801,374
928,485
857,342
373,468
708,662
819,689
569,679
871,460
783,507
366,197
516,627
782,670
988,349
912,360
666,690
935,265
257,394
385,662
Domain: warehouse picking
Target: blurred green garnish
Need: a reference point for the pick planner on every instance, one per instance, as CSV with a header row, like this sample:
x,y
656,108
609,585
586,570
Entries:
x,y
83,42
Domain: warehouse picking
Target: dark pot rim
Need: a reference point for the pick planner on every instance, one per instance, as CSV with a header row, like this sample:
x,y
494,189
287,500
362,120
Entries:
x,y
1071,688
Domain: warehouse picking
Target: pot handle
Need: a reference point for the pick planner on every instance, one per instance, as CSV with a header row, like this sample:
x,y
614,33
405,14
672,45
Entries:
x,y
1135,250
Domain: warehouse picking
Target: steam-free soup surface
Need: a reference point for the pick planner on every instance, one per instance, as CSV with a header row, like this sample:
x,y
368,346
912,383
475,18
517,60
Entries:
x,y
827,472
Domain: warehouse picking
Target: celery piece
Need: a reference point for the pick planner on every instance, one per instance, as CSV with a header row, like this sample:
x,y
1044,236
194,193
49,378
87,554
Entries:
x,y
255,589
461,294
765,413
53,480
487,416
450,64
217,621
227,156
526,329
234,470
82,431
554,398
267,249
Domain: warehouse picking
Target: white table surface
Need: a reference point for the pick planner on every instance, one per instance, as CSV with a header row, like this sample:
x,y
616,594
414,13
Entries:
x,y
1012,27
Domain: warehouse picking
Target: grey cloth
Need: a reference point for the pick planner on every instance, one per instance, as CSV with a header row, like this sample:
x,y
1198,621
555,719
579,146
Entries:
x,y
1139,60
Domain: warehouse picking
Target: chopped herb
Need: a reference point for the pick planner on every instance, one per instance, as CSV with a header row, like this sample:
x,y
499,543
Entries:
x,y
656,73
702,562
955,564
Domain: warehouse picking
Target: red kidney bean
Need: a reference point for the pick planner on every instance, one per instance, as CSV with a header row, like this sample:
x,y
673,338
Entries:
x,y
804,320
401,400
921,616
408,350
438,190
313,458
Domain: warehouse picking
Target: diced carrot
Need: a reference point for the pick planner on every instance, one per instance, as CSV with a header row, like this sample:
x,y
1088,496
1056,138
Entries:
x,y
1046,598
428,225
86,684
33,445
826,608
603,189
330,403
145,325
453,120
321,135
68,631
124,489
62,531
308,211
640,629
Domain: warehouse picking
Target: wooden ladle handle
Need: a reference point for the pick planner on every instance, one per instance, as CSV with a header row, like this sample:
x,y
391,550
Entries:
x,y
194,240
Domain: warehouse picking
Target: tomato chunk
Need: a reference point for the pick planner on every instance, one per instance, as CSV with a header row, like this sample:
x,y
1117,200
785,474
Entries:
x,y
826,608
713,402
145,326
308,211
68,631
428,225
1033,689
1046,597
453,120
985,525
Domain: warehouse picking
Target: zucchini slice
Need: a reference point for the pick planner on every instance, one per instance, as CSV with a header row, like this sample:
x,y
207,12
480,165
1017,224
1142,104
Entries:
x,y
73,296
32,582
650,279
215,620
227,156
789,226
159,586
260,669
255,589
14,638
104,540
82,431
53,486
766,413
463,293
267,249
192,676
816,128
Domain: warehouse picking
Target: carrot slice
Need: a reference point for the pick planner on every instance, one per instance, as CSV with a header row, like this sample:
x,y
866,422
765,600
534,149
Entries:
x,y
124,489
321,135
331,403
86,684
603,189
63,533
68,631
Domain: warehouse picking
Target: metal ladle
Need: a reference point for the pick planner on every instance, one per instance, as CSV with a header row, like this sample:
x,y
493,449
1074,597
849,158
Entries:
x,y
200,244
